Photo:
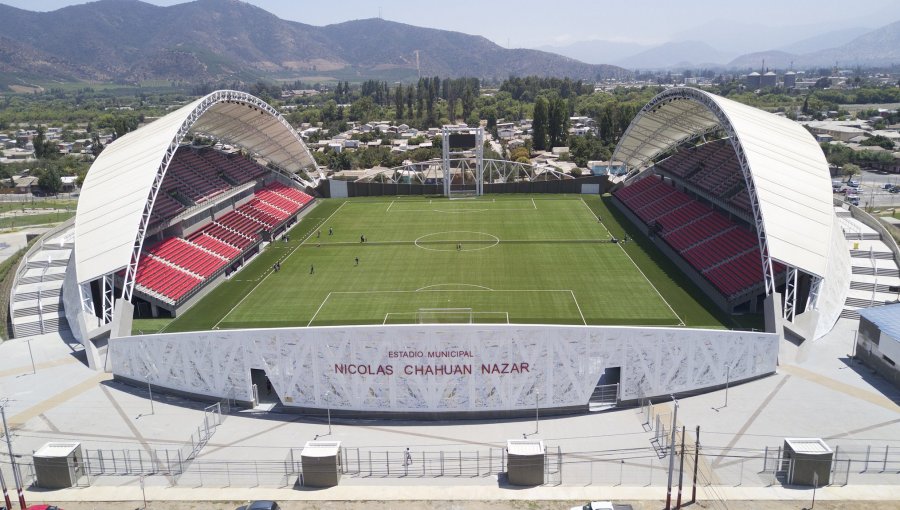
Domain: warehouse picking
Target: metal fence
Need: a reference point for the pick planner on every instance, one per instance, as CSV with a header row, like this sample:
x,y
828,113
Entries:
x,y
638,467
170,462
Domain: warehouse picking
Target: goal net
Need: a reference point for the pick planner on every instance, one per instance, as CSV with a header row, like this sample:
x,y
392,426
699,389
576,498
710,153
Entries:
x,y
445,316
462,184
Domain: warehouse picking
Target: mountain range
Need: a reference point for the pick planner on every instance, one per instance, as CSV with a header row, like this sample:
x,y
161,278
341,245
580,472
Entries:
x,y
208,40
739,46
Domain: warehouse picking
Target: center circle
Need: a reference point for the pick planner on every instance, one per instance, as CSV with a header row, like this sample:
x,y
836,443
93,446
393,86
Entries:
x,y
457,240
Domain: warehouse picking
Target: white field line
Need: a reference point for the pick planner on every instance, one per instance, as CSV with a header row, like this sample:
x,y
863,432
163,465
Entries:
x,y
412,314
594,217
413,241
269,272
578,306
534,204
680,320
443,290
389,207
319,309
466,210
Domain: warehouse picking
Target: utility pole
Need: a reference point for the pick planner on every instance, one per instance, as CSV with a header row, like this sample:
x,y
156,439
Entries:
x,y
5,493
681,470
696,462
12,461
537,396
671,456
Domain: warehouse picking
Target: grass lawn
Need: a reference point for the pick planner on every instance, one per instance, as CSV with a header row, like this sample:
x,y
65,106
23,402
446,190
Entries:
x,y
35,219
507,258
28,205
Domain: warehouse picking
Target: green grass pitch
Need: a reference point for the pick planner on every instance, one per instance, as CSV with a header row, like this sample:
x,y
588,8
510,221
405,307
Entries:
x,y
521,259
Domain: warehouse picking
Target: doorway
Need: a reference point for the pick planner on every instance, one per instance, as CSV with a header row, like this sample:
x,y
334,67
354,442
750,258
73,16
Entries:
x,y
264,393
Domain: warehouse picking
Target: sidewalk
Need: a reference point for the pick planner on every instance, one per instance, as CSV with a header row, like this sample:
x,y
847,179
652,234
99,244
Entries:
x,y
469,493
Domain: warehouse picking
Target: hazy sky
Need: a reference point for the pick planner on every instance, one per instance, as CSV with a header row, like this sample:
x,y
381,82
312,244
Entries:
x,y
529,23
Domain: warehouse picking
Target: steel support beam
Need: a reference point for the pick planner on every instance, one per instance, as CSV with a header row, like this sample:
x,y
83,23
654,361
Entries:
x,y
790,293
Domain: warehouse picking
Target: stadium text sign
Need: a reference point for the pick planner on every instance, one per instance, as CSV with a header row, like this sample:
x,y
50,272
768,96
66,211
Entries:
x,y
421,363
443,368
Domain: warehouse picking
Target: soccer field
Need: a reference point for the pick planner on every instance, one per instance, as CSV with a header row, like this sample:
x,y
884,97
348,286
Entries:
x,y
500,259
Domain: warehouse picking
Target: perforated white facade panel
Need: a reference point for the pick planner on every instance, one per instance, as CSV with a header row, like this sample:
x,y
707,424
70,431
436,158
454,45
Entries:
x,y
444,368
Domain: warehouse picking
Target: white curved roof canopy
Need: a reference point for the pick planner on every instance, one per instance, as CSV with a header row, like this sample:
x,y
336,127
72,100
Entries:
x,y
785,170
120,188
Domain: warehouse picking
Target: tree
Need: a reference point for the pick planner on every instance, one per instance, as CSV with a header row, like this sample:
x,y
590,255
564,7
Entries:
x,y
850,169
878,141
96,145
50,181
539,124
398,102
490,116
38,143
519,154
557,120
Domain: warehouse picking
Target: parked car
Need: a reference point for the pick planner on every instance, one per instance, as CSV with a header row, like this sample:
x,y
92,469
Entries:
x,y
887,185
853,183
853,199
895,189
260,505
43,507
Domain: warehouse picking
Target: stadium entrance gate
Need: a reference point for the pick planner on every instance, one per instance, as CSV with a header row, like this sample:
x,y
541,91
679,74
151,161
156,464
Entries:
x,y
264,394
462,141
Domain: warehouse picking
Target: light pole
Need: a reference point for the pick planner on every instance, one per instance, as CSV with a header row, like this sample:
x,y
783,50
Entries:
x,y
328,409
537,396
727,378
150,390
31,354
671,456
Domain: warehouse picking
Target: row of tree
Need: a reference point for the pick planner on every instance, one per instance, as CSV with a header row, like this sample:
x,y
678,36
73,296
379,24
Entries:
x,y
550,123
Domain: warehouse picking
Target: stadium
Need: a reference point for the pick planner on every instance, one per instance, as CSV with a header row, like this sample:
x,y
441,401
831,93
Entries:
x,y
264,282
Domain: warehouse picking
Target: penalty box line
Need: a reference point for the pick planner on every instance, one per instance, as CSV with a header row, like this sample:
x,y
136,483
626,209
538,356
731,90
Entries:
x,y
412,314
328,297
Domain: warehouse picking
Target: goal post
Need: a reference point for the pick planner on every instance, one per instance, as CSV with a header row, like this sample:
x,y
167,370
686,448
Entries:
x,y
445,316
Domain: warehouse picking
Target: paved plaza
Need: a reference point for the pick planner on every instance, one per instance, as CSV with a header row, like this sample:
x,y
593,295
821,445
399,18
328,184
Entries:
x,y
818,391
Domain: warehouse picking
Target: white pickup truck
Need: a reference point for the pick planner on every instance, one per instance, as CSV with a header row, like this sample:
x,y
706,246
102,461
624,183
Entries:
x,y
595,505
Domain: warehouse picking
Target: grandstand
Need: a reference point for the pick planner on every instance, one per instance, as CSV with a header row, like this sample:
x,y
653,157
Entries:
x,y
740,200
719,246
183,217
172,268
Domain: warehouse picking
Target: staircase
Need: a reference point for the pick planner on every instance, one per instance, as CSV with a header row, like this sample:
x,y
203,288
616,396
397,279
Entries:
x,y
874,272
36,306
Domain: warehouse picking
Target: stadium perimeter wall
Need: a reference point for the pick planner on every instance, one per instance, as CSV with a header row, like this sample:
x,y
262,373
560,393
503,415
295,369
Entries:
x,y
441,371
378,189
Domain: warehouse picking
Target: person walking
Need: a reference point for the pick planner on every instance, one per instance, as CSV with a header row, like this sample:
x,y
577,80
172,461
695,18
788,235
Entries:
x,y
357,260
318,234
312,269
330,231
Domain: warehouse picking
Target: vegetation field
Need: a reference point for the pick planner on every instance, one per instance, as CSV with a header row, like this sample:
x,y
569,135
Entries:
x,y
517,259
